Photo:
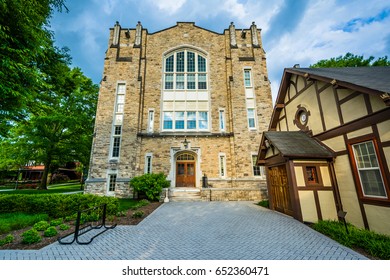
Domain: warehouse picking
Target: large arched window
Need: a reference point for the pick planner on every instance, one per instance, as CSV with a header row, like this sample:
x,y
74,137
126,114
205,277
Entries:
x,y
185,70
185,91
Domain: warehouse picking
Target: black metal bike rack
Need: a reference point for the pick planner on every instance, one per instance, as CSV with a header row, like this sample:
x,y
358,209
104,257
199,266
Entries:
x,y
80,231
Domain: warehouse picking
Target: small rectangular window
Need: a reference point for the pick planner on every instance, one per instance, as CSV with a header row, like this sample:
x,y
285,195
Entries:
x,y
150,120
116,146
256,168
222,165
369,171
112,182
148,163
311,175
251,118
247,78
222,120
116,141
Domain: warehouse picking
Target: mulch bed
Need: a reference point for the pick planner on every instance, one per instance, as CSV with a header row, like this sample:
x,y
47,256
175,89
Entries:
x,y
123,220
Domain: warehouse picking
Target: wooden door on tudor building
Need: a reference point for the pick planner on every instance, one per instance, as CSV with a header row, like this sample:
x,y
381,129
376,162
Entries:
x,y
279,186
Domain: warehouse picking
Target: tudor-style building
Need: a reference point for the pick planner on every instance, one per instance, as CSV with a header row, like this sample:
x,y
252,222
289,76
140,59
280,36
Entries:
x,y
185,101
328,146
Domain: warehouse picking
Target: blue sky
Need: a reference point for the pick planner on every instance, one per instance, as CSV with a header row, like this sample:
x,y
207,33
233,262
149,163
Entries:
x,y
293,31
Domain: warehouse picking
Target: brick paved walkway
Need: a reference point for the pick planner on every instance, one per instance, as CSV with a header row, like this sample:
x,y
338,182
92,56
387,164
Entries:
x,y
201,231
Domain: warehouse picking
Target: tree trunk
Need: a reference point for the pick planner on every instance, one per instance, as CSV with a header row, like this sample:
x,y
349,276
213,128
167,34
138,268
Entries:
x,y
43,185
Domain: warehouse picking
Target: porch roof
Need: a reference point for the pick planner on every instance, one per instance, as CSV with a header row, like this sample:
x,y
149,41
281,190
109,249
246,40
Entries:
x,y
297,144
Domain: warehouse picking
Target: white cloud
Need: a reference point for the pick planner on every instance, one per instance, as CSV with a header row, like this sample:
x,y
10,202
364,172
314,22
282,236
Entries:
x,y
235,9
170,7
319,36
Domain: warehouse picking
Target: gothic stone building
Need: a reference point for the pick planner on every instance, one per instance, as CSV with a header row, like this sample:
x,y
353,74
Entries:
x,y
185,101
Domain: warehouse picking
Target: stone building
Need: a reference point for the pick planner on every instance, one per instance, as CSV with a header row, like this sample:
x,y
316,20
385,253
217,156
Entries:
x,y
185,101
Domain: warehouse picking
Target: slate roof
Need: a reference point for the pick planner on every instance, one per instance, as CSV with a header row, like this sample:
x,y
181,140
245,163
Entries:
x,y
376,78
297,144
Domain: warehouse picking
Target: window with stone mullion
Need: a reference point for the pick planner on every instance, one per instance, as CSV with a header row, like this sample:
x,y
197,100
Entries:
x,y
185,70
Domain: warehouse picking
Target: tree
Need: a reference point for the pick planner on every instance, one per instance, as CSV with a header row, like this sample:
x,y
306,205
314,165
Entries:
x,y
24,38
59,127
351,60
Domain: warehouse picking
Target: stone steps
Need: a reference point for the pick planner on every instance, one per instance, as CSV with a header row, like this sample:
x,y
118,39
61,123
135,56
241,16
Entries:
x,y
184,194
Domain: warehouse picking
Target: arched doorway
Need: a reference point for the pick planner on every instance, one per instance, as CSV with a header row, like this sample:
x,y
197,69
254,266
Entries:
x,y
185,171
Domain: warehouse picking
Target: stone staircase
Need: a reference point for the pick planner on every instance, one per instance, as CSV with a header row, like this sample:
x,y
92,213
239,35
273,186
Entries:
x,y
184,194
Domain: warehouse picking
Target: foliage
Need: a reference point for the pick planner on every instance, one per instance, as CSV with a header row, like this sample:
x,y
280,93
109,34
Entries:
x,y
24,40
41,226
64,227
59,129
150,184
8,239
263,203
128,203
55,205
138,214
15,221
31,236
51,190
56,222
50,231
351,60
377,245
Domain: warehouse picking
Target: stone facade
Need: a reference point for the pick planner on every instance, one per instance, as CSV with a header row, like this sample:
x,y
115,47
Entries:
x,y
216,124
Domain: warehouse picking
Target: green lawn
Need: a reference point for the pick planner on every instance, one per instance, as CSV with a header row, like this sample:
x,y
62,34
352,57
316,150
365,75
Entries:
x,y
377,245
60,188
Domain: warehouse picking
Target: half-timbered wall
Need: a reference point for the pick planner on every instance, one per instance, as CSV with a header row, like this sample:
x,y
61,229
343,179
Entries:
x,y
339,118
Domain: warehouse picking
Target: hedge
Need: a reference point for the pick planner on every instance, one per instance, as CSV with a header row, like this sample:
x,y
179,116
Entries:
x,y
55,205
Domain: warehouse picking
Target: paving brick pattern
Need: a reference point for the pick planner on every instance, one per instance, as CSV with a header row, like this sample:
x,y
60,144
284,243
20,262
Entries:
x,y
201,231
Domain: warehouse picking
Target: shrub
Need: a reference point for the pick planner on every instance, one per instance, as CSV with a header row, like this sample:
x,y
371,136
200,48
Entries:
x,y
121,214
150,184
55,205
50,231
59,178
41,226
31,236
56,222
138,214
8,239
64,227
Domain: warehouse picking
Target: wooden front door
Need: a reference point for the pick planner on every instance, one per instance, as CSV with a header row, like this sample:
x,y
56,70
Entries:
x,y
185,174
280,191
